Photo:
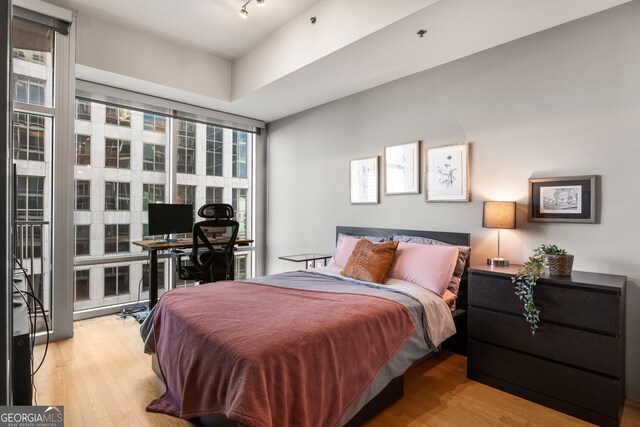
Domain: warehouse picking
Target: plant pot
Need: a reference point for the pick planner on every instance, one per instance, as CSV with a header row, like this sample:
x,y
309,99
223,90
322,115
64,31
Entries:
x,y
560,265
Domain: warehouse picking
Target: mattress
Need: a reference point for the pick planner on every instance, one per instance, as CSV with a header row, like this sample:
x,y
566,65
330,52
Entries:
x,y
430,318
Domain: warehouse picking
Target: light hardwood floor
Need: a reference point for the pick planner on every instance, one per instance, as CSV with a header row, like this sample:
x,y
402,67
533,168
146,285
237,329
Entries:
x,y
103,378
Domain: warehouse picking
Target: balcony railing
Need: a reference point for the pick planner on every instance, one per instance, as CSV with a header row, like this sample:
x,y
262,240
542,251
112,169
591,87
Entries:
x,y
32,253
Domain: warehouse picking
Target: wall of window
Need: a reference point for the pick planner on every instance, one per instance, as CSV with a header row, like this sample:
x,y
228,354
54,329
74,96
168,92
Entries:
x,y
33,135
124,162
42,47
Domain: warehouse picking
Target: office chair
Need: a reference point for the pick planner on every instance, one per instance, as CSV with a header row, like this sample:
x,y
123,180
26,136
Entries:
x,y
211,257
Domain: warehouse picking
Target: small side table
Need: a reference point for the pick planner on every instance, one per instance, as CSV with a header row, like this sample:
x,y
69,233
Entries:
x,y
309,259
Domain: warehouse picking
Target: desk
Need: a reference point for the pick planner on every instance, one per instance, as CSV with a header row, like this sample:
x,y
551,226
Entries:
x,y
307,258
153,246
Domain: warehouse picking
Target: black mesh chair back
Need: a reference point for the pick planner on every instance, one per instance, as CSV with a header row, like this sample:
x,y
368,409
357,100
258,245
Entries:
x,y
213,247
212,251
216,211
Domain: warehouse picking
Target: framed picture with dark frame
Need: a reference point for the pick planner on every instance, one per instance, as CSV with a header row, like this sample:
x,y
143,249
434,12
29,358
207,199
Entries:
x,y
563,199
363,181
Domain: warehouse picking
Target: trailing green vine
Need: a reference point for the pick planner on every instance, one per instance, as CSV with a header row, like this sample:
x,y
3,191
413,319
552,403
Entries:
x,y
526,279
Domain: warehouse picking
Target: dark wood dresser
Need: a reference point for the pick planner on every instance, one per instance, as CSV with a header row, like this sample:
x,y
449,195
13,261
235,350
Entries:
x,y
575,363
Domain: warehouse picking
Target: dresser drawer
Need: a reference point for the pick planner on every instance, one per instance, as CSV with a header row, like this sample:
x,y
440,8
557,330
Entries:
x,y
584,308
584,349
566,384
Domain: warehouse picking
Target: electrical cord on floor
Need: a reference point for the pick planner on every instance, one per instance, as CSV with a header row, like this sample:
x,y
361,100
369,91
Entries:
x,y
33,324
130,312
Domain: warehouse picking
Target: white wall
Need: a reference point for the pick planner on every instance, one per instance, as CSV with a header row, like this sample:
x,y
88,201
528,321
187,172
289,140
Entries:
x,y
562,102
117,49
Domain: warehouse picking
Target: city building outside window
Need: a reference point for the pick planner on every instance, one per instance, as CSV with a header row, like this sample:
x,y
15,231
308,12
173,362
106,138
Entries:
x,y
116,238
116,196
83,149
116,280
83,195
153,157
29,90
240,267
186,147
145,277
186,195
214,195
239,154
30,198
28,136
117,153
152,193
214,150
83,110
81,284
149,179
29,55
155,123
83,239
239,203
118,116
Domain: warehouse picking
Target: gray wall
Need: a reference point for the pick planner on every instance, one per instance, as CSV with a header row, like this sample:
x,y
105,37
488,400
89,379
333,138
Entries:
x,y
562,102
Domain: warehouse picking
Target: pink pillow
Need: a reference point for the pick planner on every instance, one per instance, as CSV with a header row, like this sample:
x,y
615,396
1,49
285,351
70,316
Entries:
x,y
429,266
343,251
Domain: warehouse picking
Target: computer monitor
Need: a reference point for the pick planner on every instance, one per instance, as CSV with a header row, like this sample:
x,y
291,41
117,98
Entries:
x,y
166,218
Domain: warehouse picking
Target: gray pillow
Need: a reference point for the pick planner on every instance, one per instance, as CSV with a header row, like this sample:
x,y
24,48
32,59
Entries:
x,y
376,239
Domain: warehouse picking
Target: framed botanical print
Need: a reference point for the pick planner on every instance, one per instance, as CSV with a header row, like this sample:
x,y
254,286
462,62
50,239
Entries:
x,y
402,168
447,174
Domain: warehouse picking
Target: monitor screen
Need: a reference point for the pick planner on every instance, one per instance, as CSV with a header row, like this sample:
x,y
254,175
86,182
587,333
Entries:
x,y
170,219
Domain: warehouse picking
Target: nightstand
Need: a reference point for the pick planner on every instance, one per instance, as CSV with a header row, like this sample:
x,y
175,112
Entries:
x,y
575,363
309,259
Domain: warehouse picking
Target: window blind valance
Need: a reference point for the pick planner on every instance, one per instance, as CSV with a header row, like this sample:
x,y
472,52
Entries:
x,y
152,104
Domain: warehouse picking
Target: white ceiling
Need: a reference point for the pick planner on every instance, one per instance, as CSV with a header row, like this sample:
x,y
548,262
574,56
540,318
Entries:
x,y
213,26
356,45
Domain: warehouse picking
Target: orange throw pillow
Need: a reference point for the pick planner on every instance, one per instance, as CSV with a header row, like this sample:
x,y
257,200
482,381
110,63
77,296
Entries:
x,y
370,261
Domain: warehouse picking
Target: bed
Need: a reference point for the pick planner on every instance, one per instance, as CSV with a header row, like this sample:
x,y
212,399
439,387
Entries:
x,y
299,348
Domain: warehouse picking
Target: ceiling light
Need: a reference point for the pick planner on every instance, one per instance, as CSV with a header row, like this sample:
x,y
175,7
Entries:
x,y
244,12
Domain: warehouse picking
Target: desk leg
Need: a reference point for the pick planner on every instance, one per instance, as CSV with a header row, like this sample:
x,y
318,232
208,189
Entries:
x,y
153,279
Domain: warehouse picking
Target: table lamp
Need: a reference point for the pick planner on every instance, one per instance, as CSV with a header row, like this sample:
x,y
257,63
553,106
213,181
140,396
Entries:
x,y
500,215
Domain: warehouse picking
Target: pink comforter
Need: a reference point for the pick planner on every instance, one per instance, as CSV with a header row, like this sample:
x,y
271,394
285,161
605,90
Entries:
x,y
268,356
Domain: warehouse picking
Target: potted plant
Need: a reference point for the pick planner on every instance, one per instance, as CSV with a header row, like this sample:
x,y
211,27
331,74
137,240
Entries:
x,y
559,262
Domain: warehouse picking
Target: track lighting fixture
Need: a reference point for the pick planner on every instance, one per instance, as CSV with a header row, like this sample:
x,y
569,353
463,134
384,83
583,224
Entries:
x,y
244,12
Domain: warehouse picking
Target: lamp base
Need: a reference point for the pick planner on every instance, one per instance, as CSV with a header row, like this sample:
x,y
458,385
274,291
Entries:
x,y
498,262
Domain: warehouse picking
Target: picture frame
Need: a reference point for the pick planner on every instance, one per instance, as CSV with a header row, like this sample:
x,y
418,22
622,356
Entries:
x,y
402,168
447,173
363,181
564,199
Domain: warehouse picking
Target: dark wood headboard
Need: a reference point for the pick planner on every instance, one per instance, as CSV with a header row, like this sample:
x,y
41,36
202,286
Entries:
x,y
458,239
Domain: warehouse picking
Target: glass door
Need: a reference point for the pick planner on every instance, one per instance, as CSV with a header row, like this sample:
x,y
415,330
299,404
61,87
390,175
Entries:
x,y
40,122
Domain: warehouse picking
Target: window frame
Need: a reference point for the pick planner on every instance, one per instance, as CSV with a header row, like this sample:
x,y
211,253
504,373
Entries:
x,y
85,196
119,231
117,269
118,159
119,199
